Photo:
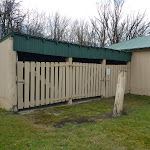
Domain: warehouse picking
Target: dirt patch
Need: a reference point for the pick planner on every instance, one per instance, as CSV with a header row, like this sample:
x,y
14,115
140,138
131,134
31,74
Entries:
x,y
75,121
108,100
106,115
47,120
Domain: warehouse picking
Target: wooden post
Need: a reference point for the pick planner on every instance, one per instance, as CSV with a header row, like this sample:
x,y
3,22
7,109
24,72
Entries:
x,y
128,77
69,59
103,79
120,90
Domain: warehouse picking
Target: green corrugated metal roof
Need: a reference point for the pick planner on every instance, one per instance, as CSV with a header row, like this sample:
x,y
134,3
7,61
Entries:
x,y
133,44
31,44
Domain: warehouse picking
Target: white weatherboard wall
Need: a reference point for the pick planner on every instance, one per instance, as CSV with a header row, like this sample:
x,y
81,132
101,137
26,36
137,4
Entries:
x,y
140,72
8,92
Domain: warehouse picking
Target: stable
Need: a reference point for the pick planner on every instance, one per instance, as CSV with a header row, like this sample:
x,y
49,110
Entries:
x,y
140,63
36,71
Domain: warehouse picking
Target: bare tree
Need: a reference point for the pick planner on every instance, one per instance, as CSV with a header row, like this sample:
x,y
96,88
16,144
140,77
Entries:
x,y
57,27
136,25
35,23
82,33
100,24
11,16
111,26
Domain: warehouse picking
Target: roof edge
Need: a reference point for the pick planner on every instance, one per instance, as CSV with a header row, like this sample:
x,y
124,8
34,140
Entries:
x,y
7,36
128,50
63,42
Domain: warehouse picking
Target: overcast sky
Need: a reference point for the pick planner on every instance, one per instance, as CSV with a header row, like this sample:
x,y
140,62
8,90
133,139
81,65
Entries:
x,y
82,8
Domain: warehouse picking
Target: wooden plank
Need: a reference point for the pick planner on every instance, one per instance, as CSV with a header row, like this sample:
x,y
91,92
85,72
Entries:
x,y
109,91
52,83
93,93
89,79
80,80
113,80
60,82
91,88
77,80
37,83
97,80
83,81
67,80
107,82
70,82
64,81
100,80
73,81
56,80
86,79
94,80
110,81
43,102
20,85
32,90
26,99
103,78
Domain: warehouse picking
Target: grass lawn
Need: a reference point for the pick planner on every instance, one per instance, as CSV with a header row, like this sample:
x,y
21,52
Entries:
x,y
87,126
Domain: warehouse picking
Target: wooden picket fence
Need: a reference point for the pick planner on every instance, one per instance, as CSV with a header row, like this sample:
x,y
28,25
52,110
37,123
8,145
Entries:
x,y
47,83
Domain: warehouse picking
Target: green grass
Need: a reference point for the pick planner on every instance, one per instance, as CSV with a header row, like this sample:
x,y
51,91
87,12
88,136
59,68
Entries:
x,y
87,126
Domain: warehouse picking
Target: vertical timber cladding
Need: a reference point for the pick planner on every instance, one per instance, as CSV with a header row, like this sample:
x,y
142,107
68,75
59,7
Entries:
x,y
112,78
47,83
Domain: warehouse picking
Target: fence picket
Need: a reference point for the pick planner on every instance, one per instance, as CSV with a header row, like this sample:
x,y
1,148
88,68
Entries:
x,y
77,80
94,81
80,80
67,80
52,83
26,99
56,80
37,83
32,90
64,81
86,79
42,83
83,81
97,80
73,81
89,79
20,85
60,82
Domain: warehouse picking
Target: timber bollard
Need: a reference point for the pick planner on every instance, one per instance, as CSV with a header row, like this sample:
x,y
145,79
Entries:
x,y
120,91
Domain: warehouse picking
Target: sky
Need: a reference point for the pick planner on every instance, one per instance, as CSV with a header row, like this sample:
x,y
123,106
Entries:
x,y
82,9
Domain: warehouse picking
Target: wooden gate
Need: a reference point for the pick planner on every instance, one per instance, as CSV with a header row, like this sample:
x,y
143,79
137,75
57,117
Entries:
x,y
112,77
47,83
